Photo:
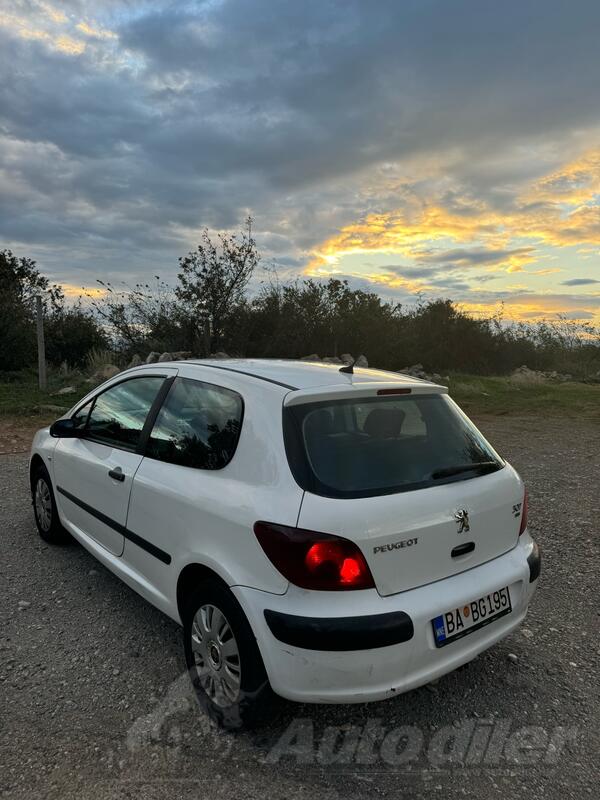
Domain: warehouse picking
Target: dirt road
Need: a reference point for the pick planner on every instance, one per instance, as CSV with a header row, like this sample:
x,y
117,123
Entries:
x,y
94,703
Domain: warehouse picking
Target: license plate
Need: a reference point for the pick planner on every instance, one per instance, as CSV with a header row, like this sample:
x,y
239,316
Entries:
x,y
459,622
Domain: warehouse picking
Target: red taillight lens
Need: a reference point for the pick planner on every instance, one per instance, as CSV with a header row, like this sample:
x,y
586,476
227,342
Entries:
x,y
524,513
314,560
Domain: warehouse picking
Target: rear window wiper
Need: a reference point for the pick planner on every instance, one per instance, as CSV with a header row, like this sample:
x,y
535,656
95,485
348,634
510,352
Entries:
x,y
479,466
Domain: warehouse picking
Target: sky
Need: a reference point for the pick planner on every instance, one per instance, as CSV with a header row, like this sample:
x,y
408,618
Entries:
x,y
417,148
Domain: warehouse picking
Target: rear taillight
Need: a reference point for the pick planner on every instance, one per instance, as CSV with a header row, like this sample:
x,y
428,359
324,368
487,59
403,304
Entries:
x,y
314,560
524,513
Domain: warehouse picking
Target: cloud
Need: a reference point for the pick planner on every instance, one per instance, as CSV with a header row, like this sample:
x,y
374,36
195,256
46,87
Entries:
x,y
580,282
530,306
512,258
22,28
401,129
507,238
94,32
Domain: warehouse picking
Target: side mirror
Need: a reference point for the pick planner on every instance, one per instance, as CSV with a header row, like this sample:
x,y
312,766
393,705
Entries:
x,y
64,429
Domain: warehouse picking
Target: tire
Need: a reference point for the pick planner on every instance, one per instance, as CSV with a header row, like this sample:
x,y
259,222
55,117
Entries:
x,y
223,659
44,508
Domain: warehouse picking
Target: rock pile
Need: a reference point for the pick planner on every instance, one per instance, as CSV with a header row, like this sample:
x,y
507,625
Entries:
x,y
154,357
525,375
345,358
418,371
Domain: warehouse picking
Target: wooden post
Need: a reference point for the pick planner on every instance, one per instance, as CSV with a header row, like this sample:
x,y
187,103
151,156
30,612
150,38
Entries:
x,y
206,338
41,347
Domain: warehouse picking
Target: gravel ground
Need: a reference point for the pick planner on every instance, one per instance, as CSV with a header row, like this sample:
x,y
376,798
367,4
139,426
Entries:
x,y
94,702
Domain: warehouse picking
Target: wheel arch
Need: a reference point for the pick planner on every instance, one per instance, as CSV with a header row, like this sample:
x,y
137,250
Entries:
x,y
190,576
36,462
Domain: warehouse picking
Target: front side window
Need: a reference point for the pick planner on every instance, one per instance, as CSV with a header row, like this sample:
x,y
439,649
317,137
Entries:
x,y
119,413
382,445
198,426
80,417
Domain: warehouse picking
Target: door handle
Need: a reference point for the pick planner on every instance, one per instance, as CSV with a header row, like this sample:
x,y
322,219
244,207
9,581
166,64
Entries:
x,y
117,474
463,549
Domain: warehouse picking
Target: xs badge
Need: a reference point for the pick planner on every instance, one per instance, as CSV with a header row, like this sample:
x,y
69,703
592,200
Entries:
x,y
462,520
517,509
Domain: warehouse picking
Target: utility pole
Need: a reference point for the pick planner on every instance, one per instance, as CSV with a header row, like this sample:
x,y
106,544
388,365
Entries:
x,y
41,347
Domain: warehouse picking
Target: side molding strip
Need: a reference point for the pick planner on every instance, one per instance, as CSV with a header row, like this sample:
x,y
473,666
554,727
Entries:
x,y
116,526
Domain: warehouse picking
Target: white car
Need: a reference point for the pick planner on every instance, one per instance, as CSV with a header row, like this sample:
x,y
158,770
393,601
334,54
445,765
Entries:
x,y
337,535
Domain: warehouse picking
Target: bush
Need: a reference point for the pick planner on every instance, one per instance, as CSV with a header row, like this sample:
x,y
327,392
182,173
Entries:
x,y
70,335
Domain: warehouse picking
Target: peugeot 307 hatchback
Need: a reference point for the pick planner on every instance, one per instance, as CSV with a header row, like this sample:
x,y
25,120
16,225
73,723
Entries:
x,y
334,536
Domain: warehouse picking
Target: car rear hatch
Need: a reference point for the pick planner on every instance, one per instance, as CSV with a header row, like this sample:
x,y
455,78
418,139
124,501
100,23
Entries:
x,y
404,474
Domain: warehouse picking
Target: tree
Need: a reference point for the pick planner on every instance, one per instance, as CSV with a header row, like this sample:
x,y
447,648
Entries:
x,y
143,318
324,317
20,282
71,333
213,280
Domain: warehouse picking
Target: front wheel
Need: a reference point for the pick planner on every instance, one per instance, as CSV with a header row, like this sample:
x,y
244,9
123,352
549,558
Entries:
x,y
44,508
223,659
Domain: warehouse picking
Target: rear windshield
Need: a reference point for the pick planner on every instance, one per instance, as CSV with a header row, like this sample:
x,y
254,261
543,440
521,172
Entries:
x,y
381,445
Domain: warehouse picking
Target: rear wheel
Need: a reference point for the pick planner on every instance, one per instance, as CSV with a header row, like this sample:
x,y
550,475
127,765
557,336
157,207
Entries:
x,y
223,658
44,508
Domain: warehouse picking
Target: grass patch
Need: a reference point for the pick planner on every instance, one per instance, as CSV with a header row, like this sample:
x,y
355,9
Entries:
x,y
20,395
499,395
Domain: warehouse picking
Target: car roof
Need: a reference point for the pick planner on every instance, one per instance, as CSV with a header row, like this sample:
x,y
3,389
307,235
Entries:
x,y
292,375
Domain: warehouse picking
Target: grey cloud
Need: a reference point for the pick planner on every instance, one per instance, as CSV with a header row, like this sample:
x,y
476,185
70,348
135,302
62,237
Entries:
x,y
579,282
203,112
472,257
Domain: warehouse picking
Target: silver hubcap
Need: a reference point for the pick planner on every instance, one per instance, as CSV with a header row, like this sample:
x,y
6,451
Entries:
x,y
43,504
216,655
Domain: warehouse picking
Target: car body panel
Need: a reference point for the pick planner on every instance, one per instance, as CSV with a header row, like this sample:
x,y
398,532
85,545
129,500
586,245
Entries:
x,y
81,468
408,538
231,499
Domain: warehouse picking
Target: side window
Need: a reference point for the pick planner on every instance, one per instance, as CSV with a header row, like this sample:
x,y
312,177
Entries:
x,y
198,426
80,416
119,413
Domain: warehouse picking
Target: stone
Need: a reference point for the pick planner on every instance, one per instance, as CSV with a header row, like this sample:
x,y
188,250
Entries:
x,y
416,371
136,360
108,371
361,361
512,657
152,357
347,358
181,355
165,357
24,603
332,360
313,357
66,390
525,375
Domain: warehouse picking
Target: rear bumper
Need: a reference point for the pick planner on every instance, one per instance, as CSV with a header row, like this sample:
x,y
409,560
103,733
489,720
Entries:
x,y
362,650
